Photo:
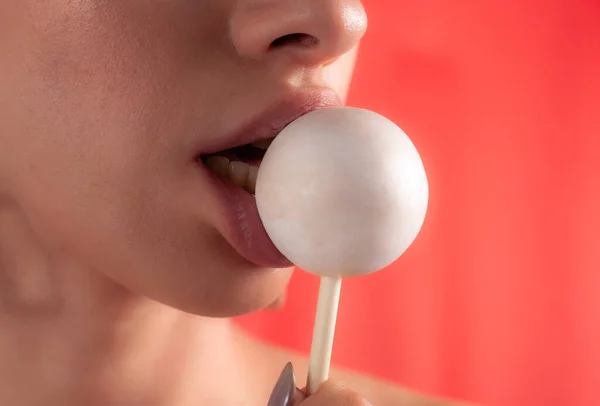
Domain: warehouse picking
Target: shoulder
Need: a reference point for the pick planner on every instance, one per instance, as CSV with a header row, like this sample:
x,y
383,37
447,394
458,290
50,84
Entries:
x,y
376,391
382,393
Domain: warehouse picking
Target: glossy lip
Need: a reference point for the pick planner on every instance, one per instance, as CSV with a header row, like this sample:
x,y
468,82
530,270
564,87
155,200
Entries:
x,y
238,219
272,121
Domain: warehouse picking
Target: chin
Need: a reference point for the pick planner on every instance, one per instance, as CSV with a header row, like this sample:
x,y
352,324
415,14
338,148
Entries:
x,y
235,287
232,298
219,299
192,269
217,286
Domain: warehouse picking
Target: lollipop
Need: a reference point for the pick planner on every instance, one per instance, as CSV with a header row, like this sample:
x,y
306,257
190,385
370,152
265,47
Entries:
x,y
341,192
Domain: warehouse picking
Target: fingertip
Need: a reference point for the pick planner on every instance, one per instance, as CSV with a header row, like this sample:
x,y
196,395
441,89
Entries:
x,y
299,396
336,393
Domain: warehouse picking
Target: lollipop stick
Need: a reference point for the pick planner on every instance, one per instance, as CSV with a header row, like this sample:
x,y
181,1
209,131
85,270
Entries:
x,y
322,342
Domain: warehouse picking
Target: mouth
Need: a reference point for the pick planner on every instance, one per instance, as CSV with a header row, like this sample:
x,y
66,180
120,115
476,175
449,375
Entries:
x,y
239,161
232,162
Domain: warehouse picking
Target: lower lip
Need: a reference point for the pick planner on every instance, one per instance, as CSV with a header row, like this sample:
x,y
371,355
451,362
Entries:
x,y
241,225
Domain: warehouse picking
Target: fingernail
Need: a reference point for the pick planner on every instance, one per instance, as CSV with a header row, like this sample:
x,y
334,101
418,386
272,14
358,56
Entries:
x,y
283,392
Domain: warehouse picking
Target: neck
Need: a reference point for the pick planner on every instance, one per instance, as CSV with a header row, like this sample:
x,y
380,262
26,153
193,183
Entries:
x,y
71,336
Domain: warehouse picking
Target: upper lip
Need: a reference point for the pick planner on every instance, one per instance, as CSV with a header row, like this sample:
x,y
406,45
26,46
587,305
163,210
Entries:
x,y
274,119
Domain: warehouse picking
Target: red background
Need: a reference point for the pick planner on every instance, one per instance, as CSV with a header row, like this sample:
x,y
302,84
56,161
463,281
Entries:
x,y
498,300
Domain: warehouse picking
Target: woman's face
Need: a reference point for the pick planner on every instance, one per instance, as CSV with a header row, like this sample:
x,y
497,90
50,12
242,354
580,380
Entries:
x,y
109,107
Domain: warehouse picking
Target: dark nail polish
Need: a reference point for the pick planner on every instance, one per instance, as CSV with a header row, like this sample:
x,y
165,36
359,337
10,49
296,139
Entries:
x,y
285,388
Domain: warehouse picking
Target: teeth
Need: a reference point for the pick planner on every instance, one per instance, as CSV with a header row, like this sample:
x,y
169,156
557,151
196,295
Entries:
x,y
219,165
239,173
251,182
262,144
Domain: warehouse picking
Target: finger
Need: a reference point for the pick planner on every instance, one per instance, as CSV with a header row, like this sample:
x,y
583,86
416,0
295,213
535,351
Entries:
x,y
334,393
299,396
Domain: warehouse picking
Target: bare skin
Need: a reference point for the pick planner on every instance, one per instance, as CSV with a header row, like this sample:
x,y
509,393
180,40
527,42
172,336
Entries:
x,y
113,262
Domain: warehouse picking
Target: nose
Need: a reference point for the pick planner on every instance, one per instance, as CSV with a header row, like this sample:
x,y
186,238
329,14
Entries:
x,y
312,32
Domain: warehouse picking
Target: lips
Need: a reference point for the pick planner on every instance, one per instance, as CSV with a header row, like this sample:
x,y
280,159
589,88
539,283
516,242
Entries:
x,y
230,172
274,119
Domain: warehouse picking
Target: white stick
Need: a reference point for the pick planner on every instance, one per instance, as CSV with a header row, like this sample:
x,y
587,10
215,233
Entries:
x,y
324,329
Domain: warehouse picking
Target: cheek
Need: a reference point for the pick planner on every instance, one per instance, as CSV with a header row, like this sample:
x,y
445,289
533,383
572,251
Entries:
x,y
94,150
338,75
88,159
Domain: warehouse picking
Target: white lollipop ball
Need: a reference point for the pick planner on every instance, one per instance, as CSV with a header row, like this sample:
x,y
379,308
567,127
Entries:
x,y
342,192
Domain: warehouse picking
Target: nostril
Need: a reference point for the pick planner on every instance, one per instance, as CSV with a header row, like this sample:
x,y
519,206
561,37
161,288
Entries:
x,y
304,40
